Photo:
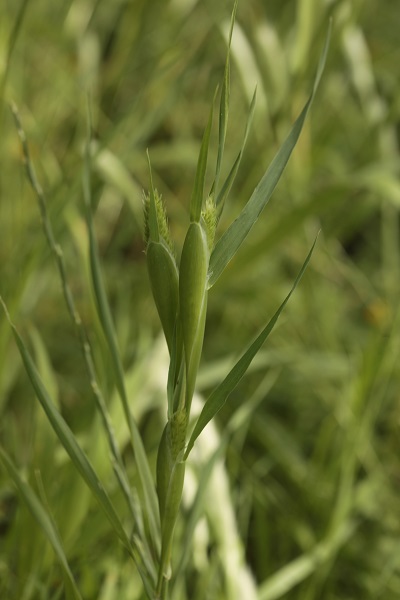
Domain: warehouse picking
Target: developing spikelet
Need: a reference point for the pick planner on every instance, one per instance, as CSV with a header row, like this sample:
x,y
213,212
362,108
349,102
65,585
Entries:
x,y
193,300
209,216
192,284
162,220
162,268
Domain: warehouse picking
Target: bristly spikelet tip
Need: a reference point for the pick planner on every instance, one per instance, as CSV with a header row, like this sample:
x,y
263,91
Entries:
x,y
209,215
162,220
146,210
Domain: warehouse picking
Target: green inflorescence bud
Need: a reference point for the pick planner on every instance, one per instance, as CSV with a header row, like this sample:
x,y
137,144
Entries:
x,y
209,217
163,274
162,268
193,300
161,221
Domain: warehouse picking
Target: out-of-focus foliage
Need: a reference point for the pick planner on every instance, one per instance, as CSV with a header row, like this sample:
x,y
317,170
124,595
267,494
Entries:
x,y
313,465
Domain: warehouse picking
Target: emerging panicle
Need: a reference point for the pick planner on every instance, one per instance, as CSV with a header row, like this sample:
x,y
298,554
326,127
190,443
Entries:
x,y
193,300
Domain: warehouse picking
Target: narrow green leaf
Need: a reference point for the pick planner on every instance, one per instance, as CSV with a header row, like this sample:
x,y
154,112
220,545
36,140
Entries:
x,y
226,187
220,395
235,235
106,321
224,104
196,200
233,18
8,50
223,122
43,519
67,438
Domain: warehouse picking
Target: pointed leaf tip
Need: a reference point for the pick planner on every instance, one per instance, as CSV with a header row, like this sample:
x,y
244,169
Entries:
x,y
230,242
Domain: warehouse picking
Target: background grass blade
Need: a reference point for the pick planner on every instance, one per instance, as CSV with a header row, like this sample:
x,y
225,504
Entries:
x,y
302,567
219,396
106,321
10,49
104,313
44,521
235,235
67,438
224,105
226,187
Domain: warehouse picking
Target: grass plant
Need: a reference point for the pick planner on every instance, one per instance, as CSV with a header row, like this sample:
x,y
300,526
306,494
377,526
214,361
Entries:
x,y
144,479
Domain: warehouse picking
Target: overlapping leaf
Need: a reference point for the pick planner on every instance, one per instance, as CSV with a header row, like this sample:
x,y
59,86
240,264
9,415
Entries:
x,y
234,236
219,396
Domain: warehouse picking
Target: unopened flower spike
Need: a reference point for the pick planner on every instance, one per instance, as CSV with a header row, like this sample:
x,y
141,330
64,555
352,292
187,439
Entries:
x,y
161,264
161,221
209,217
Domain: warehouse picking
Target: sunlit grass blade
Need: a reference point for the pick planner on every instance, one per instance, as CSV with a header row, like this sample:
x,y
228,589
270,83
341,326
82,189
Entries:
x,y
235,235
196,200
226,187
220,395
44,521
106,321
67,438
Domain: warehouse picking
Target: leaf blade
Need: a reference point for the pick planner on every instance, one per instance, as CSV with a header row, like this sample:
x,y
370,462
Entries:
x,y
67,438
44,521
224,103
234,236
219,396
226,187
196,200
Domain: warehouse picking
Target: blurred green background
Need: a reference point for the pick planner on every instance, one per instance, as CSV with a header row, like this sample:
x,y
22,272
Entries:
x,y
314,467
